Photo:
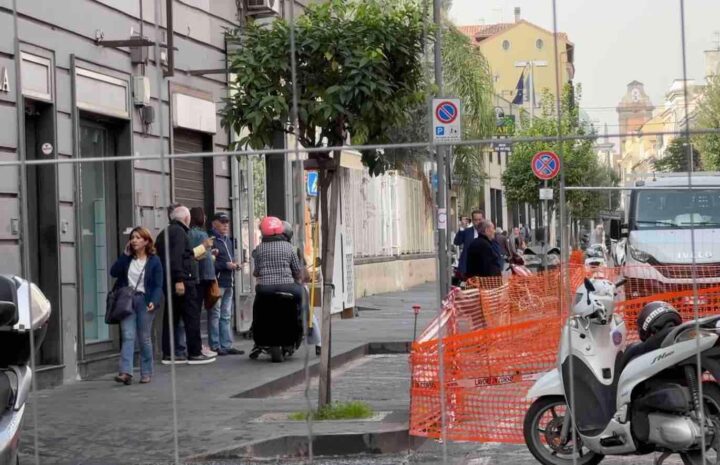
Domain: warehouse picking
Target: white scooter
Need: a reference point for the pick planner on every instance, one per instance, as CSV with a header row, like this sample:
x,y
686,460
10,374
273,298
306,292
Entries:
x,y
22,307
640,401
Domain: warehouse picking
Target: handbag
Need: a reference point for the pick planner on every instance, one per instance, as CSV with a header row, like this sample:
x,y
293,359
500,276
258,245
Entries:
x,y
212,294
119,304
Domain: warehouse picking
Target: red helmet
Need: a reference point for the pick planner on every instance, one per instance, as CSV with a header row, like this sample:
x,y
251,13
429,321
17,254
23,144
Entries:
x,y
271,226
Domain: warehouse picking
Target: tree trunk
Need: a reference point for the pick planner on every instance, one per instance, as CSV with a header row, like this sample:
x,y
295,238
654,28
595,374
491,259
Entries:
x,y
329,210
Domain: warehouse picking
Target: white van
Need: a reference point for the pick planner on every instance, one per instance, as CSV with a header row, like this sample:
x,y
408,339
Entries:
x,y
654,244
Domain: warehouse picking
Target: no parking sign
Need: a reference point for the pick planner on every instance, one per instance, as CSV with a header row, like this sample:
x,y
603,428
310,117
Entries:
x,y
545,165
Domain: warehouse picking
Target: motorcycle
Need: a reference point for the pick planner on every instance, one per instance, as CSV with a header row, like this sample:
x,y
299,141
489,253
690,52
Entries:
x,y
277,328
595,256
534,258
638,401
24,313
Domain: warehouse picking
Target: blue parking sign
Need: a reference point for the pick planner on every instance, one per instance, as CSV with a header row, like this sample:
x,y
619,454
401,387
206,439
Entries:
x,y
312,183
439,130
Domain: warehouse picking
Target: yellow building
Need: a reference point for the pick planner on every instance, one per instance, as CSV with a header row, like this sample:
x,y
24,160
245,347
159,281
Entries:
x,y
522,49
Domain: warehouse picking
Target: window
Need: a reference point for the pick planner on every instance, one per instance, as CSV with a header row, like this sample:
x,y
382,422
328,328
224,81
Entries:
x,y
539,44
496,209
506,45
673,209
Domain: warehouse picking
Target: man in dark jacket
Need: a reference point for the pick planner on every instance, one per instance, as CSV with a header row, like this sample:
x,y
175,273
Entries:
x,y
465,237
183,287
483,258
220,316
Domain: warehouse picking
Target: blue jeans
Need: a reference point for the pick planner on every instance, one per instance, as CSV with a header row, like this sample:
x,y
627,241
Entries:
x,y
137,328
219,321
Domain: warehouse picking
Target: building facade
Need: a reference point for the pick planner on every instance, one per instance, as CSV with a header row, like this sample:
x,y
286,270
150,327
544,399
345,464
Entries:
x,y
82,95
523,50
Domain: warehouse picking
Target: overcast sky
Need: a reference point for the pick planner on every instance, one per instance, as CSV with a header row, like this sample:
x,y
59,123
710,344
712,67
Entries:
x,y
616,41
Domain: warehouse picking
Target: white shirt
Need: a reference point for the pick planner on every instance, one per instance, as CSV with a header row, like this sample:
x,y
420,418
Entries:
x,y
136,268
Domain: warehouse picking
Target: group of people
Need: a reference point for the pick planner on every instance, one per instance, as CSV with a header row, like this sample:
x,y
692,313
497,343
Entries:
x,y
197,261
485,251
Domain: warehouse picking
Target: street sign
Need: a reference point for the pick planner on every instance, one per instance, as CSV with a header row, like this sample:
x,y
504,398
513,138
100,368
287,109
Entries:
x,y
312,183
546,194
446,120
501,146
545,165
46,148
442,218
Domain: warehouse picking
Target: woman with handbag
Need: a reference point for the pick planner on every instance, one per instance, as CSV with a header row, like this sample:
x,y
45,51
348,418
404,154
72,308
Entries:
x,y
140,269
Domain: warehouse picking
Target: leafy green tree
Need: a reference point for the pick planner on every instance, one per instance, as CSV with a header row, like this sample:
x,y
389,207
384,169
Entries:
x,y
466,75
677,158
580,162
359,71
708,117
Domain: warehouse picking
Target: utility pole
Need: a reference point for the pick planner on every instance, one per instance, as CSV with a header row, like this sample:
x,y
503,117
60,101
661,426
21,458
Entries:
x,y
441,151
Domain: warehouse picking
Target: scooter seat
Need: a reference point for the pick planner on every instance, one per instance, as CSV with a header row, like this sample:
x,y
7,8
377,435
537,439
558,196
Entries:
x,y
637,349
6,393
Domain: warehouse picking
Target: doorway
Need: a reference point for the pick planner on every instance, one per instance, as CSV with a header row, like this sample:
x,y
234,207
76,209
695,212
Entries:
x,y
98,231
43,240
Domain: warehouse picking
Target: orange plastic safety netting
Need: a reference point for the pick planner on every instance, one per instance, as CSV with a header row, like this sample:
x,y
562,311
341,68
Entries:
x,y
501,334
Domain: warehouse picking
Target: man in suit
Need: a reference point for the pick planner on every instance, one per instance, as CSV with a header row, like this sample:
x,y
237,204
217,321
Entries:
x,y
464,238
483,259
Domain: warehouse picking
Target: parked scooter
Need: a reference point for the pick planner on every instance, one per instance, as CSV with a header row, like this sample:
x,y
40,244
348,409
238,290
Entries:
x,y
595,256
277,328
642,400
22,307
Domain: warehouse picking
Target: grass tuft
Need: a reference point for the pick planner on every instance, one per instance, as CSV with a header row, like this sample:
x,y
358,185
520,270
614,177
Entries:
x,y
354,410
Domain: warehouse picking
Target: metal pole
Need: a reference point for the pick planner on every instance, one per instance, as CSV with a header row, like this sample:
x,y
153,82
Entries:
x,y
443,272
532,90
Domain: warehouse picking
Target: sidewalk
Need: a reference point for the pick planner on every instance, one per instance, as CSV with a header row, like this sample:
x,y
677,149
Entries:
x,y
101,422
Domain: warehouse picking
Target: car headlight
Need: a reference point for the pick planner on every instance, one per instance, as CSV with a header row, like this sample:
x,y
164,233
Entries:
x,y
639,255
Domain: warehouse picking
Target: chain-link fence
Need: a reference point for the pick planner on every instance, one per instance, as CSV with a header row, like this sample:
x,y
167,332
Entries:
x,y
102,135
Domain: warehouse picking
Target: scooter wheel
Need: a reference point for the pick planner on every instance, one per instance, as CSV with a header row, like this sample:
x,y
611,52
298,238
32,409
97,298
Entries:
x,y
541,429
276,354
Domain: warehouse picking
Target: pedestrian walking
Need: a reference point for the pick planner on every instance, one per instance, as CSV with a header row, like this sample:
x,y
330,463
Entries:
x,y
183,288
220,316
139,268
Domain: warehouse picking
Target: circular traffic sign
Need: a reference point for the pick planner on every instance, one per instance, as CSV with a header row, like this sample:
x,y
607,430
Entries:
x,y
545,165
446,112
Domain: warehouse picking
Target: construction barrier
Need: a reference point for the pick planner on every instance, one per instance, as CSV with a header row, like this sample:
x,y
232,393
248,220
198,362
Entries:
x,y
501,335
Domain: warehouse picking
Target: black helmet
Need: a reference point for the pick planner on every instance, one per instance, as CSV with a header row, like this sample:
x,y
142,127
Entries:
x,y
655,316
287,230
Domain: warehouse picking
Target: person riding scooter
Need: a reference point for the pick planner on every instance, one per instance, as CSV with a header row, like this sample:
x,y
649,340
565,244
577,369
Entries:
x,y
277,270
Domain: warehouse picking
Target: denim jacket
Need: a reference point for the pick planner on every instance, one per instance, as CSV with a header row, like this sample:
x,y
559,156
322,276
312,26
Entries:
x,y
206,267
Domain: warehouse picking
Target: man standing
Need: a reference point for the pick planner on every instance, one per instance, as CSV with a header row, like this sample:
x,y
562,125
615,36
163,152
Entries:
x,y
483,258
180,262
465,237
220,317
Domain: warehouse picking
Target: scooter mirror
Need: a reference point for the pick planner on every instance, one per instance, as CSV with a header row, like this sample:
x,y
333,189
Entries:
x,y
8,313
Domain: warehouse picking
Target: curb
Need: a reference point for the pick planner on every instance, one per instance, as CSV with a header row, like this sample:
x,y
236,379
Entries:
x,y
284,383
390,441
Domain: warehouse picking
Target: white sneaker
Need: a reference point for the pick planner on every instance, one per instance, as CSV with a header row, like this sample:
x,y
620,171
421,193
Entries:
x,y
208,353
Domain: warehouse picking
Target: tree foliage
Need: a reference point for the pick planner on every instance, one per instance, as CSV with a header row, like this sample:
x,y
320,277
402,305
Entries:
x,y
466,75
580,162
359,70
709,118
677,158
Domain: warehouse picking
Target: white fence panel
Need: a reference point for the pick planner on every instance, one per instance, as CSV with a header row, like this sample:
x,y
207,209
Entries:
x,y
386,215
